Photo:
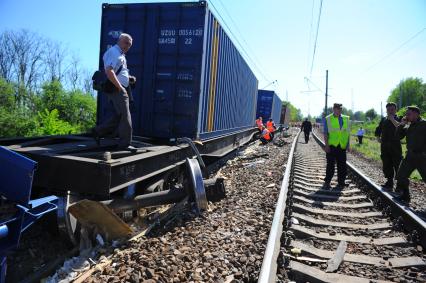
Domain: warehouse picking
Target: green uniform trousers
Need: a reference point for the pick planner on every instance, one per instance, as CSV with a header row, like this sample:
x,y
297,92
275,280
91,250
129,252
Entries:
x,y
411,162
391,154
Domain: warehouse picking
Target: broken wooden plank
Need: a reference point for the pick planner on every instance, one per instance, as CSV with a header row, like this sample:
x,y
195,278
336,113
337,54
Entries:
x,y
334,204
320,222
306,232
92,213
306,273
304,258
334,262
98,267
329,197
359,258
307,187
299,207
412,261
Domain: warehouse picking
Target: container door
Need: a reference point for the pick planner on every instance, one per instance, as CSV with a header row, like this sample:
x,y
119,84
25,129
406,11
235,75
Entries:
x,y
177,71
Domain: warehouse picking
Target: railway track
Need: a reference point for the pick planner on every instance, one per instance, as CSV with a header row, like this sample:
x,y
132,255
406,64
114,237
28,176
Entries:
x,y
355,234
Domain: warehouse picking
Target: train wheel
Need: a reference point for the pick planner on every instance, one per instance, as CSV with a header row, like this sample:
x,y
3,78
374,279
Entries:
x,y
196,184
68,224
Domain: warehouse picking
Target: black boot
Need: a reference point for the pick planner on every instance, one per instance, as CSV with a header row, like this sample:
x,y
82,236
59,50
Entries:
x,y
404,196
388,185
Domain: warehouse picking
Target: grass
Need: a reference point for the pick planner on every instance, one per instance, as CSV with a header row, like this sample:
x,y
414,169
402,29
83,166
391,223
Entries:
x,y
370,147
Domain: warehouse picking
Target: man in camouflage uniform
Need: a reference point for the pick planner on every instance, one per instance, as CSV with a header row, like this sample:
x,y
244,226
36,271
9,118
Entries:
x,y
413,127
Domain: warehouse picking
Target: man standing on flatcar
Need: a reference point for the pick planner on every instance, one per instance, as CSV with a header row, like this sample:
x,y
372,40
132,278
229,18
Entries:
x,y
115,65
390,144
336,138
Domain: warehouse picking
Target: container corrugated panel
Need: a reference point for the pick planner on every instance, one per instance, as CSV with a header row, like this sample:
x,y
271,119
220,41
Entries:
x,y
191,80
268,105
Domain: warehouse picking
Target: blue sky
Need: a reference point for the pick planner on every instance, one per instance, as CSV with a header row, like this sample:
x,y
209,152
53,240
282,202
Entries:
x,y
353,37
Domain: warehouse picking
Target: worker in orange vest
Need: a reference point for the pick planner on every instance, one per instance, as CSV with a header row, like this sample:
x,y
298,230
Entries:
x,y
266,136
270,125
259,123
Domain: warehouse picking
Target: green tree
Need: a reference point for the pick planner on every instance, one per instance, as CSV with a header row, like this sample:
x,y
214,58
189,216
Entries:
x,y
7,94
371,114
359,116
295,113
411,91
80,110
48,123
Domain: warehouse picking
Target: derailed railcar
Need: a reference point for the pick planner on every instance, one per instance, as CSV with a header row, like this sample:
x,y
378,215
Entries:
x,y
285,116
192,81
268,105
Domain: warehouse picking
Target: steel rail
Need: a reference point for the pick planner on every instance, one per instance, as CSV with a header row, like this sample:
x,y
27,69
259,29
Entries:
x,y
269,265
412,223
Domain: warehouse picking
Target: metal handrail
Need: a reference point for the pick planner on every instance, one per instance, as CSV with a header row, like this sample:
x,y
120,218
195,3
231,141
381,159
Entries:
x,y
268,270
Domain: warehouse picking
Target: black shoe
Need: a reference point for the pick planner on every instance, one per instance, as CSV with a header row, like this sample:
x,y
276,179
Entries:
x,y
388,185
96,136
326,185
403,196
341,186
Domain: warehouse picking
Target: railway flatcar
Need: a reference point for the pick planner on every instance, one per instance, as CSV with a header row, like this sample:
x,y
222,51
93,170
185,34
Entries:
x,y
195,103
268,105
192,80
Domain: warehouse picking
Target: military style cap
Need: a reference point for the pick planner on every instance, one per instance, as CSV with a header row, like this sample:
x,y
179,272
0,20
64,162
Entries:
x,y
414,108
337,105
390,104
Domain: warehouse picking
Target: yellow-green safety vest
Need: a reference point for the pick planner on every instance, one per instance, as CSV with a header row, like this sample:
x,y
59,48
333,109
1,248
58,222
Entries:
x,y
337,136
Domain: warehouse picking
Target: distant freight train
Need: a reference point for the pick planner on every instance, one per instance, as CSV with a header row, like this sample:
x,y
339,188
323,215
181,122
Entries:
x,y
268,105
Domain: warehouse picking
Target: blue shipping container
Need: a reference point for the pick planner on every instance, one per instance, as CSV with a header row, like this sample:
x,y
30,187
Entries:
x,y
268,106
191,79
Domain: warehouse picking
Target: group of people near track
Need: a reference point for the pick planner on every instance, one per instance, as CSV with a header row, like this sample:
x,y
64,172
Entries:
x,y
391,130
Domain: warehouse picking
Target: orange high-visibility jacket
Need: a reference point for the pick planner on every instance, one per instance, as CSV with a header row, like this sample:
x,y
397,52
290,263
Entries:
x,y
270,126
266,135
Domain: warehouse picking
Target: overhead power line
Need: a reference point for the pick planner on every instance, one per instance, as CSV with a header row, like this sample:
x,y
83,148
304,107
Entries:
x,y
395,50
243,38
316,39
239,43
310,35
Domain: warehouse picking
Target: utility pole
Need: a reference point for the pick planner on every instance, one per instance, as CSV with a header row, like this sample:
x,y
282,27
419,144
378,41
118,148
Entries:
x,y
326,91
286,95
352,104
381,109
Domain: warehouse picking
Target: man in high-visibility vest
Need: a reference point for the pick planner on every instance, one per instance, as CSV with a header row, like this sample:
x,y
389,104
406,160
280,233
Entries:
x,y
266,136
270,125
259,123
336,138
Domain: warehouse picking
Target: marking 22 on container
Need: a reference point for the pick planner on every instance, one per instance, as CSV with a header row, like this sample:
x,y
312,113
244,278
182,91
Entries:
x,y
169,36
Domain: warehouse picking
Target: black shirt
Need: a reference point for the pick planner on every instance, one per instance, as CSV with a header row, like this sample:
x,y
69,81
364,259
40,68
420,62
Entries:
x,y
306,126
416,136
387,131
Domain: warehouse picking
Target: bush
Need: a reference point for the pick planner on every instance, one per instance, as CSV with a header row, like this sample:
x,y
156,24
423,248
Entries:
x,y
48,123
